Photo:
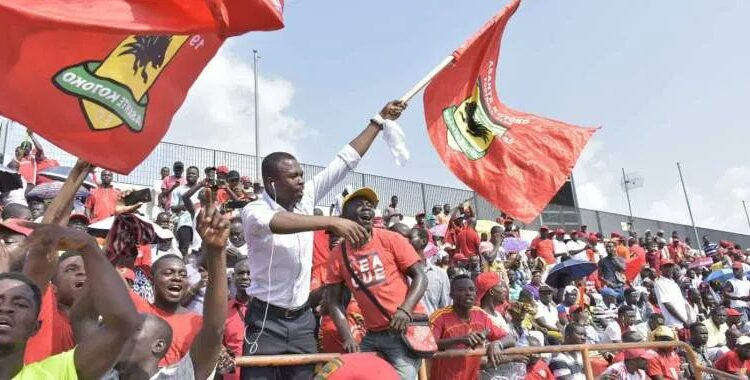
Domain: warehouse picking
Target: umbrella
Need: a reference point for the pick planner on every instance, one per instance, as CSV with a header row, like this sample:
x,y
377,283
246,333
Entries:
x,y
721,275
569,270
511,244
60,173
9,179
439,230
49,190
102,227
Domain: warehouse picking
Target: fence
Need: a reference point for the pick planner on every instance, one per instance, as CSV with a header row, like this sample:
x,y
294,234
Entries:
x,y
414,197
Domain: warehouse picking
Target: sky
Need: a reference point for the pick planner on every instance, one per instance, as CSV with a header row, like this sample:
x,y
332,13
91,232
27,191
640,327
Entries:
x,y
666,80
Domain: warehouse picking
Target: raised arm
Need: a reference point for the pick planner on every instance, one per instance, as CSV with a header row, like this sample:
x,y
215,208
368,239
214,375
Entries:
x,y
37,145
41,261
213,228
364,140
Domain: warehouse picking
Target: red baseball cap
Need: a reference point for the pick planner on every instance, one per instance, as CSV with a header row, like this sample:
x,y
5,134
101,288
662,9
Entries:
x,y
559,231
633,353
614,235
360,366
544,228
222,169
733,313
14,225
485,281
459,256
573,232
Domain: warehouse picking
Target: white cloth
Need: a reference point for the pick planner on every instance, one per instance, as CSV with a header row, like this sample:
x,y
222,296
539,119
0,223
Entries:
x,y
740,288
183,218
396,140
194,276
559,247
576,245
601,251
153,209
667,291
17,196
612,333
548,314
288,256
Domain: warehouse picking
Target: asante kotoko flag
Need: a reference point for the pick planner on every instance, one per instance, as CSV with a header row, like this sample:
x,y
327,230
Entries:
x,y
102,79
515,160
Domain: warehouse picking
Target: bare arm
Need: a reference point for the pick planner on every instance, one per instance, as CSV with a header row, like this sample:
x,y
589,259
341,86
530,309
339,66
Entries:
x,y
400,318
214,230
333,297
41,261
37,145
364,140
284,222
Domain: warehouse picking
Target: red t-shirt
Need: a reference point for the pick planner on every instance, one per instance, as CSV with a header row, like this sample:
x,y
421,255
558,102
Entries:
x,y
234,332
731,362
320,259
54,336
41,166
468,242
447,325
540,371
185,326
544,249
102,202
666,366
382,265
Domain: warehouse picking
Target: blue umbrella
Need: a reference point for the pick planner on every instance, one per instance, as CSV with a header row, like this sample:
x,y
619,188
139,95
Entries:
x,y
721,275
511,244
60,173
569,270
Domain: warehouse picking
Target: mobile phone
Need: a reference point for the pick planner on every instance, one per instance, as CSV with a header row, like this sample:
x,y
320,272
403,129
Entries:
x,y
143,195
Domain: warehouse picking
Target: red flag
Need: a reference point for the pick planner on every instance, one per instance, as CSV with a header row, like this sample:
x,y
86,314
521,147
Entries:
x,y
515,160
102,79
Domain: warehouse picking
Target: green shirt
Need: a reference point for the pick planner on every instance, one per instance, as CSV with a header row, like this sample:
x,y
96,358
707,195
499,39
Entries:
x,y
56,367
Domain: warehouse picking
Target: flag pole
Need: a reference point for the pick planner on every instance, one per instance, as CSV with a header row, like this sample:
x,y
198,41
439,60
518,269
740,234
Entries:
x,y
744,205
627,195
256,56
426,79
687,200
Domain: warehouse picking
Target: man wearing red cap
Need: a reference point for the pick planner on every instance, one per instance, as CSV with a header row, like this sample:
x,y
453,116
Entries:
x,y
737,290
632,368
736,361
543,247
561,250
577,248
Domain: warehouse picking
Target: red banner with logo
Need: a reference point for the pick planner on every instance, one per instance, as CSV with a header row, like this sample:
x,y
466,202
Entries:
x,y
517,161
102,79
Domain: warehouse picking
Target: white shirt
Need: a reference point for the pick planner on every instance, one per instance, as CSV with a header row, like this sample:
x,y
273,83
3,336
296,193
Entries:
x,y
547,313
182,370
740,288
618,371
17,196
612,333
289,257
667,291
576,245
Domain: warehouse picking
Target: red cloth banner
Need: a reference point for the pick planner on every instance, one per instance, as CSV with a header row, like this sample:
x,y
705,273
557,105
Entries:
x,y
517,161
102,79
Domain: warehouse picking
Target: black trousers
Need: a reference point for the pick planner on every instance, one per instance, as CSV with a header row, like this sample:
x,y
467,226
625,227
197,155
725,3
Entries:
x,y
280,336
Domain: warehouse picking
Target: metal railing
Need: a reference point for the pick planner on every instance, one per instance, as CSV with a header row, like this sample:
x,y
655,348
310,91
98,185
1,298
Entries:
x,y
584,349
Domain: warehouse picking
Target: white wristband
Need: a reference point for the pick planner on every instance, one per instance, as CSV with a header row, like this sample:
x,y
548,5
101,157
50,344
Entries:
x,y
377,119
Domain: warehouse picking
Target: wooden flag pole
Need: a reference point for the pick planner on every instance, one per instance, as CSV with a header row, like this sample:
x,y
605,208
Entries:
x,y
427,78
59,210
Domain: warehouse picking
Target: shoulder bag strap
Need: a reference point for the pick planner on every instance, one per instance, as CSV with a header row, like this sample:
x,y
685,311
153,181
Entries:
x,y
360,283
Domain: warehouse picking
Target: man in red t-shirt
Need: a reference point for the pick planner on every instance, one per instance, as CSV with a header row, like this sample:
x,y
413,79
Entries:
x,y
384,265
667,365
102,200
736,361
468,240
543,247
234,328
464,325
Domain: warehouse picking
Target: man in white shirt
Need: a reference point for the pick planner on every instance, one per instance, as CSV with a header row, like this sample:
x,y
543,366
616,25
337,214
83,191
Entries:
x,y
577,248
278,228
672,303
561,250
737,291
183,222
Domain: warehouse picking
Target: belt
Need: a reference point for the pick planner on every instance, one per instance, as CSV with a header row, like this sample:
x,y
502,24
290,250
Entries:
x,y
281,312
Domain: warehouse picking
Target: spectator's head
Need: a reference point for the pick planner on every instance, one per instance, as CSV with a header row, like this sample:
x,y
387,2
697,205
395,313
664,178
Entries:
x,y
394,201
743,347
400,228
664,334
626,315
734,317
545,294
236,232
178,168
418,240
705,239
20,301
719,315
610,247
69,278
317,211
210,173
463,292
698,334
241,275
192,175
655,320
632,296
163,220
661,243
359,206
233,179
25,147
543,232
496,235
731,335
37,208
632,336
435,209
170,281
667,269
570,295
283,178
638,358
447,209
148,343
106,177
575,333
164,173
16,211
13,235
489,288
79,222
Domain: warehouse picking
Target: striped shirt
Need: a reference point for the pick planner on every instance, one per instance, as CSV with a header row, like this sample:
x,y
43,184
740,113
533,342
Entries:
x,y
567,366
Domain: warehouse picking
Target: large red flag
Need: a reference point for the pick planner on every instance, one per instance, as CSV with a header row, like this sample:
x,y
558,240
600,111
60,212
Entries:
x,y
515,160
102,79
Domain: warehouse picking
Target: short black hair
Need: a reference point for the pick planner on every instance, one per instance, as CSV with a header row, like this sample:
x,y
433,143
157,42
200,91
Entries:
x,y
571,327
194,167
624,309
14,210
37,293
269,166
178,163
496,229
420,232
233,174
154,265
629,291
236,219
66,255
694,326
460,276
